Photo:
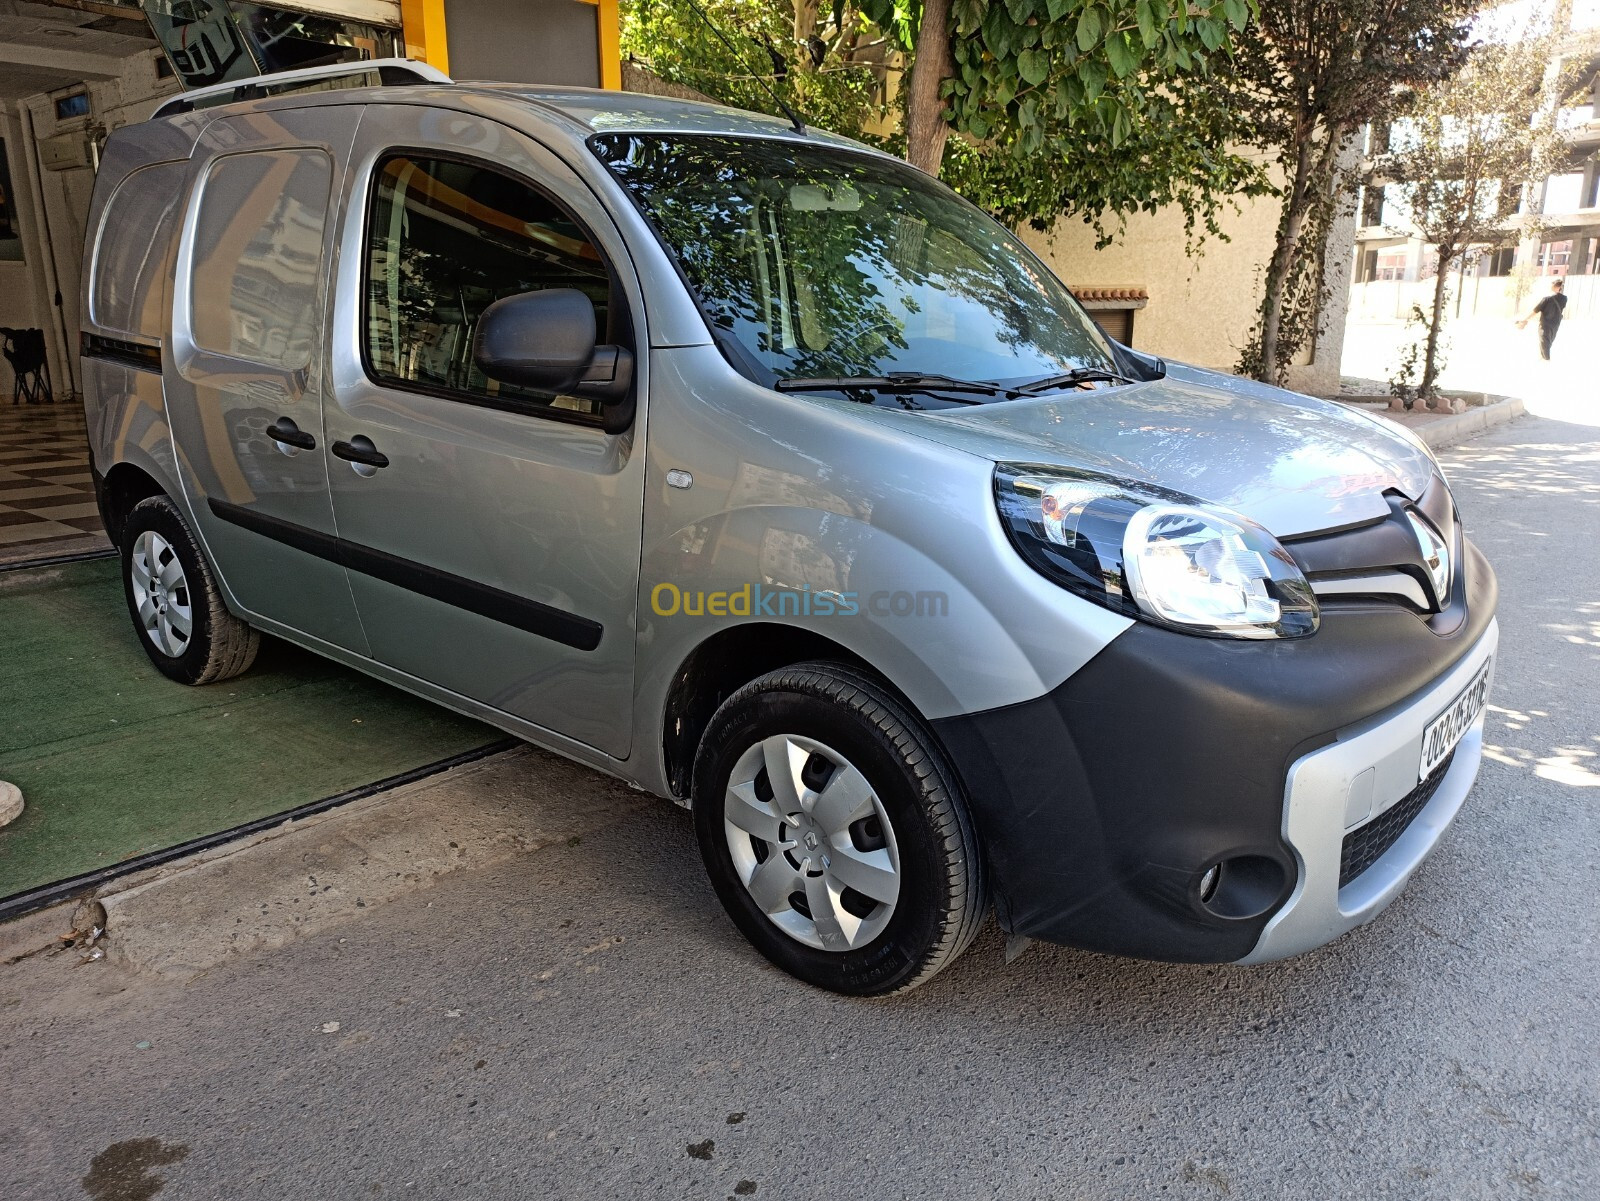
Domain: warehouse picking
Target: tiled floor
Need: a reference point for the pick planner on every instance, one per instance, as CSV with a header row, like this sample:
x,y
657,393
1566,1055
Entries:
x,y
46,494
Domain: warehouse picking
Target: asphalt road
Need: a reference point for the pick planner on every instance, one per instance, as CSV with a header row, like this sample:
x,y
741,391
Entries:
x,y
583,1022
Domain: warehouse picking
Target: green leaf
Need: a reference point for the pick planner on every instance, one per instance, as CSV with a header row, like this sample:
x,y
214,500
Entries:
x,y
1033,66
1093,74
1121,126
1211,32
1089,28
997,31
1021,10
1150,22
1120,53
1237,12
1056,9
1069,94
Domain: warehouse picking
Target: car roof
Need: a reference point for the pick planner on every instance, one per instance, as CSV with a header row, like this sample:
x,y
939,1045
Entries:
x,y
598,110
581,111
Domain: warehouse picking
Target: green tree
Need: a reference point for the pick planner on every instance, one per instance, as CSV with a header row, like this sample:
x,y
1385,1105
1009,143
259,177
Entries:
x,y
1460,161
1312,74
825,63
1085,107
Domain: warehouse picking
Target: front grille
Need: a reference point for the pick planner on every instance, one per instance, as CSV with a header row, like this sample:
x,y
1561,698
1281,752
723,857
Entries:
x,y
1366,844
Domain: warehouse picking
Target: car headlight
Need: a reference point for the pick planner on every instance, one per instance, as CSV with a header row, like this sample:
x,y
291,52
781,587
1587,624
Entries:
x,y
1154,554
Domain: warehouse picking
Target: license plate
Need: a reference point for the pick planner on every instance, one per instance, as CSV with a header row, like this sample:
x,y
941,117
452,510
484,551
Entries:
x,y
1442,734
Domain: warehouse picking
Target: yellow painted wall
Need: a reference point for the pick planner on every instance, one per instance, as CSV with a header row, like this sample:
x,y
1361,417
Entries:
x,y
1201,308
422,26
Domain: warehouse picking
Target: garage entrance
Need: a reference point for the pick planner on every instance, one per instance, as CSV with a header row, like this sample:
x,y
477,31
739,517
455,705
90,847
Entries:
x,y
71,71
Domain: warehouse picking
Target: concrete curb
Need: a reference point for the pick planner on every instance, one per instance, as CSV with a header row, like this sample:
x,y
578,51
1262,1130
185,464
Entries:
x,y
1442,431
183,918
1459,427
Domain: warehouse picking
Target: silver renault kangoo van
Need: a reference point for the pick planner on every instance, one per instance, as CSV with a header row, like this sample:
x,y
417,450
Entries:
x,y
760,470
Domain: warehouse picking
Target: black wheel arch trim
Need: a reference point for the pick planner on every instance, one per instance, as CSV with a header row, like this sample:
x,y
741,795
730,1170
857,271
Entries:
x,y
531,616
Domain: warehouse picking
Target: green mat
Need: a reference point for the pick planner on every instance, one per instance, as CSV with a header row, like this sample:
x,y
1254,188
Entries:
x,y
115,760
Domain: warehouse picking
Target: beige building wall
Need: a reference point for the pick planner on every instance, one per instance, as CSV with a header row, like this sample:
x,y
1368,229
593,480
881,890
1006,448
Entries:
x,y
1201,308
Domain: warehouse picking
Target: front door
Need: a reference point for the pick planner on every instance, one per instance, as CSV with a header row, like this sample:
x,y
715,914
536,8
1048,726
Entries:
x,y
492,533
244,381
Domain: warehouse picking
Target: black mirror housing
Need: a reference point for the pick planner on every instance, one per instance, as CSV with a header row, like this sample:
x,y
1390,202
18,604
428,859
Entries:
x,y
543,340
546,340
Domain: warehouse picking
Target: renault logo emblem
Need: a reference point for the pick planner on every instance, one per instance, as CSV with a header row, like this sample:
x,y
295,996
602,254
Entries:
x,y
1435,557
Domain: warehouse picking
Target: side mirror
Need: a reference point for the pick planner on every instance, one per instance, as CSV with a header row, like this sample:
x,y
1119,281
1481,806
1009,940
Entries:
x,y
546,340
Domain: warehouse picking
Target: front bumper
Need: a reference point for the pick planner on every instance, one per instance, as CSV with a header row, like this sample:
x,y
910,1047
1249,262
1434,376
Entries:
x,y
1101,804
1315,813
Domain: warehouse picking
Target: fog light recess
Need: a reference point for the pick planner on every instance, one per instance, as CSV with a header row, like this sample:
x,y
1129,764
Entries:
x,y
1244,886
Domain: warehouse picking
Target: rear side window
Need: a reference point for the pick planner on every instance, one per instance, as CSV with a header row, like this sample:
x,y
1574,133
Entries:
x,y
133,253
445,240
258,256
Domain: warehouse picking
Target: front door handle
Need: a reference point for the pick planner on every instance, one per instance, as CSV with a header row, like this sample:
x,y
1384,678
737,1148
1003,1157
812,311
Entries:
x,y
360,453
286,433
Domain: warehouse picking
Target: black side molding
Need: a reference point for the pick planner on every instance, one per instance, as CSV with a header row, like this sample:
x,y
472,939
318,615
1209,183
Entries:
x,y
125,354
580,633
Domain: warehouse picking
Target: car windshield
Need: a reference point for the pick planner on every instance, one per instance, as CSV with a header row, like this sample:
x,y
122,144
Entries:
x,y
825,269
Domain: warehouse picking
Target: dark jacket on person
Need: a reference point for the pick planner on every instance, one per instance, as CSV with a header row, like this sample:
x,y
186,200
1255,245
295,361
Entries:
x,y
1550,308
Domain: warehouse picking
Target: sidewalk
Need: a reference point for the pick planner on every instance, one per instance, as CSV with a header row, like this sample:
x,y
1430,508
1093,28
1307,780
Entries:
x,y
1484,355
1438,430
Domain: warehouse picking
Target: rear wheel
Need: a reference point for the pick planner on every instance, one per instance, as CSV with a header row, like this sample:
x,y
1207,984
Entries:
x,y
834,831
173,598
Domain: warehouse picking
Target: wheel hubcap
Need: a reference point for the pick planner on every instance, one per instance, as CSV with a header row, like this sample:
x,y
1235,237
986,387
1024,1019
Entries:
x,y
811,842
161,594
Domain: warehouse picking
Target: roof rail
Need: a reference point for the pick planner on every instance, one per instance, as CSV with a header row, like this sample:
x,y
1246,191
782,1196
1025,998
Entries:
x,y
390,72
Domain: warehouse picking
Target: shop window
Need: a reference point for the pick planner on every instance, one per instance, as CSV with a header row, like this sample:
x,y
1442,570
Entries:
x,y
221,41
71,107
1501,260
446,239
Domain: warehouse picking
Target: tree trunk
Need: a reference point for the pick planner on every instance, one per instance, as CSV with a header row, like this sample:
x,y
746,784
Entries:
x,y
926,130
805,24
1425,390
1297,206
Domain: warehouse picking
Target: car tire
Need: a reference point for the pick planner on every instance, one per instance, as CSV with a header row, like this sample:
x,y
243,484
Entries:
x,y
177,609
864,797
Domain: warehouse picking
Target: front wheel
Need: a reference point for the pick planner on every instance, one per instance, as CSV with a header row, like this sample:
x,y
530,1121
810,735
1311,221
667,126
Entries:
x,y
176,606
834,831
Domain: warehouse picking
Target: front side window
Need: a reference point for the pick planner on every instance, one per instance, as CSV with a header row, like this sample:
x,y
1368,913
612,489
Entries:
x,y
820,262
445,240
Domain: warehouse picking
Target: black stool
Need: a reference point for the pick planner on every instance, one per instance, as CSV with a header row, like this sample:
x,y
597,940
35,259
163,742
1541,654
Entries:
x,y
25,351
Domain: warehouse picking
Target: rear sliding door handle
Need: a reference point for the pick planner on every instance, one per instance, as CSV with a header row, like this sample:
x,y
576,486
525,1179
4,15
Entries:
x,y
361,454
287,434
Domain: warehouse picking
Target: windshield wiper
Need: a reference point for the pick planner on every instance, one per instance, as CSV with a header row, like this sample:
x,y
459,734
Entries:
x,y
895,381
1069,379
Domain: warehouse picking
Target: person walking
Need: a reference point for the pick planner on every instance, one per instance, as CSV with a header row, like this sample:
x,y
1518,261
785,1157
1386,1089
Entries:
x,y
1548,311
